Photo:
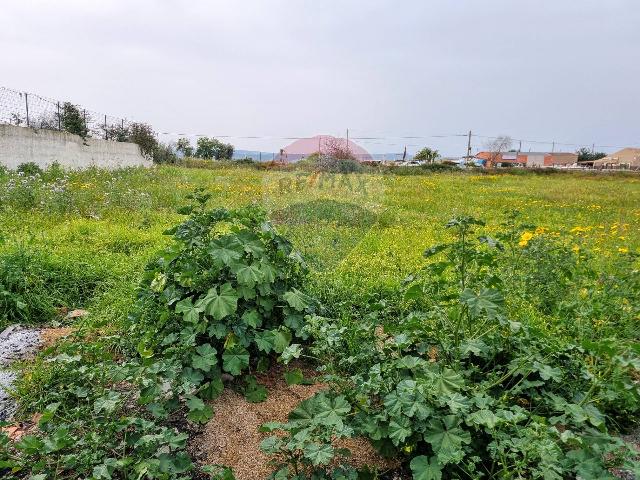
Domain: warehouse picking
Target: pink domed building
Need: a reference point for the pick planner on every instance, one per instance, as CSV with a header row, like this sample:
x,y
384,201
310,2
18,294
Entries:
x,y
323,144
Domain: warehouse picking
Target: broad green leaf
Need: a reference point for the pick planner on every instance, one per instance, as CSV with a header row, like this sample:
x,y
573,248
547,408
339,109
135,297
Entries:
x,y
252,318
294,377
174,464
331,410
205,358
235,359
296,299
212,389
191,377
220,305
271,445
547,372
99,472
446,439
486,418
305,412
291,352
399,430
319,454
281,339
448,382
30,444
488,301
269,272
254,392
424,469
225,250
107,403
264,341
190,313
413,292
198,411
251,243
247,275
247,292
217,330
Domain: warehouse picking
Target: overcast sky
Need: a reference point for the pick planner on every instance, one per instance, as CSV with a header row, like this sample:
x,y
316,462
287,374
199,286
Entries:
x,y
563,70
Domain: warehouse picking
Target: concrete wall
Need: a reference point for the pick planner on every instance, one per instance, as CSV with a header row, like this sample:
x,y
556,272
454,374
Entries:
x,y
20,145
535,160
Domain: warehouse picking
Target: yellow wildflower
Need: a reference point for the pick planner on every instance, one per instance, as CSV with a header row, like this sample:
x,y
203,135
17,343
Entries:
x,y
623,250
524,239
575,248
540,230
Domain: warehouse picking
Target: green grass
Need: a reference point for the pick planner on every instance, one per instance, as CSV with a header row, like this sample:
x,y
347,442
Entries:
x,y
563,290
362,232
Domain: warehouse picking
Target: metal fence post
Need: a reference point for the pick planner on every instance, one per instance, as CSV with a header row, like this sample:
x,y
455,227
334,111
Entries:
x,y
26,105
59,117
105,127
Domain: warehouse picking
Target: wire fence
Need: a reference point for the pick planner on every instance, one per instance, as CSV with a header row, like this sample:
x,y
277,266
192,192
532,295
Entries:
x,y
31,110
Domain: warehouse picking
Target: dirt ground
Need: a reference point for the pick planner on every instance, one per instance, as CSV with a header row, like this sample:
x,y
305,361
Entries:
x,y
232,438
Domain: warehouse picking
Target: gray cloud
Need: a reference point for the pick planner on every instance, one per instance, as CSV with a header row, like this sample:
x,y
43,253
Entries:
x,y
547,69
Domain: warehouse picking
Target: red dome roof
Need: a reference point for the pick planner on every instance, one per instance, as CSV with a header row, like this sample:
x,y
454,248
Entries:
x,y
304,147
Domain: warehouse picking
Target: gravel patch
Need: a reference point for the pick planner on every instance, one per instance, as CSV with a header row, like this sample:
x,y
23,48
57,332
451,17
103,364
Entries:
x,y
232,437
16,343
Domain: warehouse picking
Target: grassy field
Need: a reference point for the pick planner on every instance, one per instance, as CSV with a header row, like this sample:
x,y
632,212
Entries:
x,y
509,350
363,232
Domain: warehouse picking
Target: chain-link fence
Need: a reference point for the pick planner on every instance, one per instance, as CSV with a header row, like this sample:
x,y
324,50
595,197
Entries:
x,y
30,110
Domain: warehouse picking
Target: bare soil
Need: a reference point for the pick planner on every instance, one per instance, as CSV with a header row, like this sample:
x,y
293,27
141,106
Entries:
x,y
232,438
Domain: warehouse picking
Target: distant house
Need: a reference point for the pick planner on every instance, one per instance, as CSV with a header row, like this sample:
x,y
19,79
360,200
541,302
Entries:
x,y
528,159
323,144
627,157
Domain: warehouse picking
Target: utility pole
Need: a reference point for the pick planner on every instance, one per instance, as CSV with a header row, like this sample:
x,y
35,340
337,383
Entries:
x,y
553,146
26,104
469,147
347,140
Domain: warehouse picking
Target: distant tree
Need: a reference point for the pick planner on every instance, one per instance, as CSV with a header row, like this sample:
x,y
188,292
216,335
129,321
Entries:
x,y
73,121
212,148
337,149
586,155
495,148
143,135
117,133
183,146
427,155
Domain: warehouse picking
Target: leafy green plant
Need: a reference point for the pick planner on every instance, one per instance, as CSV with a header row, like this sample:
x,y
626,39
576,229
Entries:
x,y
458,387
30,169
308,449
220,302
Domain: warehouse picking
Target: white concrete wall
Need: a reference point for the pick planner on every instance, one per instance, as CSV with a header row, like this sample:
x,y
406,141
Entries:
x,y
535,161
43,147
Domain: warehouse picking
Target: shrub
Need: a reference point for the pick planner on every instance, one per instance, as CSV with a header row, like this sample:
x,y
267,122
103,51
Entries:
x,y
222,299
30,169
73,121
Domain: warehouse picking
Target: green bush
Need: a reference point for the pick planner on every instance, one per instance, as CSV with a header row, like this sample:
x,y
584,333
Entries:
x,y
30,169
222,299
